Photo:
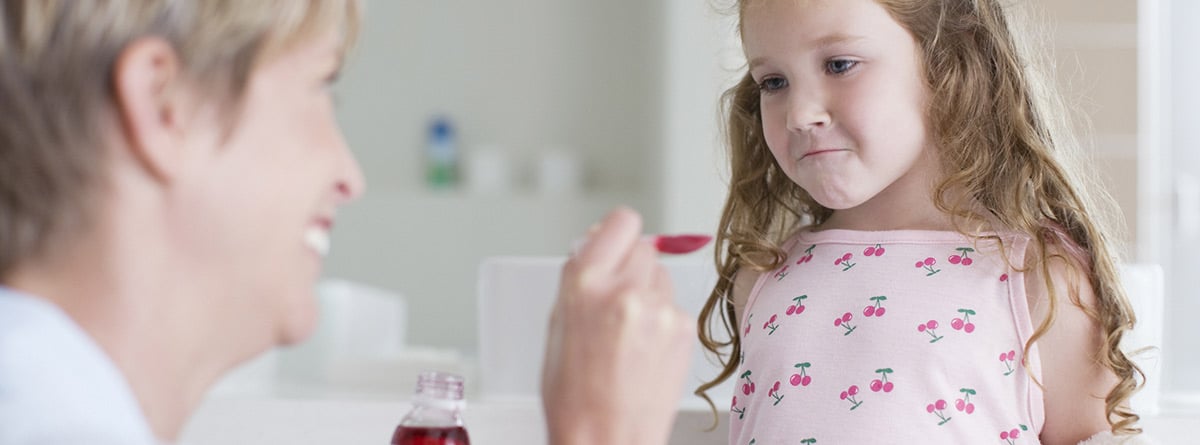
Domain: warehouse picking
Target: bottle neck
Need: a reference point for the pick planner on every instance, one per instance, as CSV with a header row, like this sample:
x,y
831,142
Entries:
x,y
438,401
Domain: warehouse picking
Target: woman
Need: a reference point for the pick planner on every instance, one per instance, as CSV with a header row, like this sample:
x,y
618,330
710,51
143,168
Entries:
x,y
169,174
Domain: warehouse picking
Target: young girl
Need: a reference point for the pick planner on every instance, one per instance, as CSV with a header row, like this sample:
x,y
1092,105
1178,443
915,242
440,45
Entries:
x,y
906,258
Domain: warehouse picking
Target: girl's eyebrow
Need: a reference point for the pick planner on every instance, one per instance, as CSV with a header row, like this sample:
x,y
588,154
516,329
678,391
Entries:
x,y
835,38
819,43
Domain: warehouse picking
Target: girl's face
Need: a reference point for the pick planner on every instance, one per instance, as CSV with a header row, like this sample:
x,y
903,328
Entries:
x,y
842,99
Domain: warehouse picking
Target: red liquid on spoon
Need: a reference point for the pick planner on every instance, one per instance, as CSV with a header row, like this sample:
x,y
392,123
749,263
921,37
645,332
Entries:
x,y
680,244
430,436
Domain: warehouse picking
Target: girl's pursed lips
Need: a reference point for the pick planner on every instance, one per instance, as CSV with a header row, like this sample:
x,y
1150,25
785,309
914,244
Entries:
x,y
821,151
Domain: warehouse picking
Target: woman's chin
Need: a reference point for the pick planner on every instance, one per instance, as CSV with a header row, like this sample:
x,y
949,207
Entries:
x,y
299,325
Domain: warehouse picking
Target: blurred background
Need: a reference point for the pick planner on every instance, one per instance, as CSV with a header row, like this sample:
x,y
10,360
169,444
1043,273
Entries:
x,y
504,127
493,133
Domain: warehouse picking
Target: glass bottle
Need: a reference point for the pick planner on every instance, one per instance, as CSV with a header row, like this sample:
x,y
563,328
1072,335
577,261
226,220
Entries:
x,y
436,416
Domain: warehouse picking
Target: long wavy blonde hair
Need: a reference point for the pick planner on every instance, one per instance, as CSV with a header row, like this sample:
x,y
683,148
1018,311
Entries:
x,y
999,132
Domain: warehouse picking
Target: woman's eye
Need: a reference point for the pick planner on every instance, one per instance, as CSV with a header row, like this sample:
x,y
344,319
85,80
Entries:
x,y
772,83
839,66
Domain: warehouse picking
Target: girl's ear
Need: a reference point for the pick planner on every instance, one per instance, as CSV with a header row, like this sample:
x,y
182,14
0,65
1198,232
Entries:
x,y
147,86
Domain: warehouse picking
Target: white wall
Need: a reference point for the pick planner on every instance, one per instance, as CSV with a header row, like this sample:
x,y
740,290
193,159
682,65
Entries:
x,y
1182,159
703,58
525,75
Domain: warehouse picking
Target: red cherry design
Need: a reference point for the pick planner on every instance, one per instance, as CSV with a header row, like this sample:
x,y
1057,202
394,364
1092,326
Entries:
x,y
869,311
844,395
847,317
932,324
870,251
1015,433
837,322
1004,435
888,387
746,389
853,390
879,312
969,328
930,408
790,310
967,261
940,404
921,328
847,257
920,264
970,408
1004,277
876,385
960,404
879,251
955,259
930,261
957,324
796,380
805,381
1012,355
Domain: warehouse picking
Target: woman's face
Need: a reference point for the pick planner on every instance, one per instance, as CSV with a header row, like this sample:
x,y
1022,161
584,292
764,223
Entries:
x,y
259,211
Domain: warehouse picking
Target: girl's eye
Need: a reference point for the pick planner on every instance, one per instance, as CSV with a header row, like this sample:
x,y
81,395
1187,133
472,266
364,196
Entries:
x,y
772,84
840,66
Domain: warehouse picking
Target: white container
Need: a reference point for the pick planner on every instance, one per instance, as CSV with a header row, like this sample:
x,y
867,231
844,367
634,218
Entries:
x,y
559,173
488,170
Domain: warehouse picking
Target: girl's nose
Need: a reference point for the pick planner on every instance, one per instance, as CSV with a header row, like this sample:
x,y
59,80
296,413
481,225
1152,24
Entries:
x,y
806,113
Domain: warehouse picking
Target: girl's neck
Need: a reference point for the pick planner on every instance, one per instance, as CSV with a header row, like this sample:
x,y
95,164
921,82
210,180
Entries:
x,y
906,219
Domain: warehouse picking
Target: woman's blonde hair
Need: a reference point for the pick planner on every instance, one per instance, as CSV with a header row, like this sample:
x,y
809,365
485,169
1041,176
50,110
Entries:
x,y
999,134
56,90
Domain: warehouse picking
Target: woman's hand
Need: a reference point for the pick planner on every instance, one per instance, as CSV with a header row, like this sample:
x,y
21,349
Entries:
x,y
618,347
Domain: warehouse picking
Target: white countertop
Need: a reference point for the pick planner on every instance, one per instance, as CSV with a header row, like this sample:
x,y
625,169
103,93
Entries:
x,y
248,420
233,421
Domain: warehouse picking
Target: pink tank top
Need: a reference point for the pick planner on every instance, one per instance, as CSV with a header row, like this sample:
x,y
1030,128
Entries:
x,y
901,337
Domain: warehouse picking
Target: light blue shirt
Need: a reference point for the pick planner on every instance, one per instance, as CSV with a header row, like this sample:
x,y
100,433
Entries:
x,y
56,385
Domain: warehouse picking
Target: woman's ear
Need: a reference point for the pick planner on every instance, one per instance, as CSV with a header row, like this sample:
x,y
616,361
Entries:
x,y
150,106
